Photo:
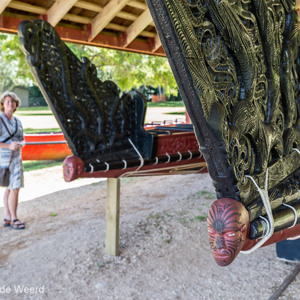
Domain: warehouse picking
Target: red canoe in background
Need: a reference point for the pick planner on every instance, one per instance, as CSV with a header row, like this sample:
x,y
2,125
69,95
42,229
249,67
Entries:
x,y
53,146
45,146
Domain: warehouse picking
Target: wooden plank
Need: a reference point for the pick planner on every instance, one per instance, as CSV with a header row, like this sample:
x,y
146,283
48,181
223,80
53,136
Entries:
x,y
77,19
137,4
28,7
112,216
57,11
98,8
137,27
3,5
157,43
88,6
106,15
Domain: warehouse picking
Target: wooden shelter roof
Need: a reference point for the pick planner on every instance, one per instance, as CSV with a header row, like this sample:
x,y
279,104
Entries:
x,y
119,24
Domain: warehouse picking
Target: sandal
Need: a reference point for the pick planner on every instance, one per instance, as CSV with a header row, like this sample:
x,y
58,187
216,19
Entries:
x,y
15,225
6,222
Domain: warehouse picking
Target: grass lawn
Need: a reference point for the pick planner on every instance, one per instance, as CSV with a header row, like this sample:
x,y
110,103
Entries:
x,y
166,104
33,108
38,130
33,114
40,164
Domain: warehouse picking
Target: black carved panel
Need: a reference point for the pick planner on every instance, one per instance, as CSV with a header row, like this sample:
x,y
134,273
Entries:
x,y
97,122
236,64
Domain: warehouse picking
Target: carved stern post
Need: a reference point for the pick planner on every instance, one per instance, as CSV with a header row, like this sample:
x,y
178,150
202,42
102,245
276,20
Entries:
x,y
236,64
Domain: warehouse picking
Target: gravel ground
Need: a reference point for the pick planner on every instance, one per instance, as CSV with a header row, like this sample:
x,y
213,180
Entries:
x,y
164,251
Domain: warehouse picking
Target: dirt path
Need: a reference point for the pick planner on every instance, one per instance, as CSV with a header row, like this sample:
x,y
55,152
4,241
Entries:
x,y
163,242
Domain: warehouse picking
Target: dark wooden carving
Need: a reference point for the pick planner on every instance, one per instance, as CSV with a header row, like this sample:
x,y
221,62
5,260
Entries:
x,y
237,66
104,131
96,120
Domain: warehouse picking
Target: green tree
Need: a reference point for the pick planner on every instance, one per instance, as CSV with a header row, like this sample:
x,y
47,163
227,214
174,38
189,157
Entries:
x,y
13,69
128,70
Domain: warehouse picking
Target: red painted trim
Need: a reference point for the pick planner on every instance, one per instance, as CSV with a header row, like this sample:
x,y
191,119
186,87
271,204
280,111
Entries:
x,y
71,35
73,169
275,238
176,142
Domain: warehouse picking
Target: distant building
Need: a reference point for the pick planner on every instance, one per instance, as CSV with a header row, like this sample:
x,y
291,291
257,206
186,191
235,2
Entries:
x,y
23,94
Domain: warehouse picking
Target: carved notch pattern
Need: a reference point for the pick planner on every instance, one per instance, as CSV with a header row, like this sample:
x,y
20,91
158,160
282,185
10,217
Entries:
x,y
96,121
237,67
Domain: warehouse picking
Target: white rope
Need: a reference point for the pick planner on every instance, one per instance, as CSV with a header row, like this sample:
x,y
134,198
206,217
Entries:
x,y
156,160
295,213
180,156
139,154
268,225
191,154
125,164
265,199
169,158
297,150
92,168
107,167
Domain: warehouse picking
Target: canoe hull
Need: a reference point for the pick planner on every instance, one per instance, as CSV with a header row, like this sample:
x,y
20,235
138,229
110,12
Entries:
x,y
45,147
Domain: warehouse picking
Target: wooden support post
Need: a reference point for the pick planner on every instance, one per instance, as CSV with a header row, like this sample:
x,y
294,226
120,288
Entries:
x,y
112,216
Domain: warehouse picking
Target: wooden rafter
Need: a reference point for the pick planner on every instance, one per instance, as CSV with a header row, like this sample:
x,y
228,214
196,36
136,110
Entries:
x,y
58,10
98,8
137,27
27,7
74,22
3,5
88,6
157,43
121,28
137,4
106,15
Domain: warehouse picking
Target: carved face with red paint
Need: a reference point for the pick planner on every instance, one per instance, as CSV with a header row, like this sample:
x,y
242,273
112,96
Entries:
x,y
228,223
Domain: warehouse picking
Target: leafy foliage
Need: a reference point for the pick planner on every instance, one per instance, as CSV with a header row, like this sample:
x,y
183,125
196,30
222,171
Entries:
x,y
13,70
127,70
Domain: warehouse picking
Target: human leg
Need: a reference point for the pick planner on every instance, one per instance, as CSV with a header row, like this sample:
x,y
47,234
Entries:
x,y
13,200
5,202
16,181
7,216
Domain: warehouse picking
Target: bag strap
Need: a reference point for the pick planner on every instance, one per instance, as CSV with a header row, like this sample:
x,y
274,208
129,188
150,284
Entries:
x,y
10,135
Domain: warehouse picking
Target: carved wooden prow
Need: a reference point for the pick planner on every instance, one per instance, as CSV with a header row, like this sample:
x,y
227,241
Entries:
x,y
237,67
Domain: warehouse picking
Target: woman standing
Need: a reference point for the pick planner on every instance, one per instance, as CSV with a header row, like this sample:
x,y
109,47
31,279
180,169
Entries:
x,y
11,142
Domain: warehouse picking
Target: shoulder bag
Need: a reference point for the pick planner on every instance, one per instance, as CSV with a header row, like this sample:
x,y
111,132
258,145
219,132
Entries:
x,y
4,172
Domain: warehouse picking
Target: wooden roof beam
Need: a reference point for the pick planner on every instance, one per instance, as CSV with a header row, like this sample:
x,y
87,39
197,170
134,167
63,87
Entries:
x,y
98,8
3,5
106,15
122,28
137,4
157,43
88,6
57,11
137,27
27,7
